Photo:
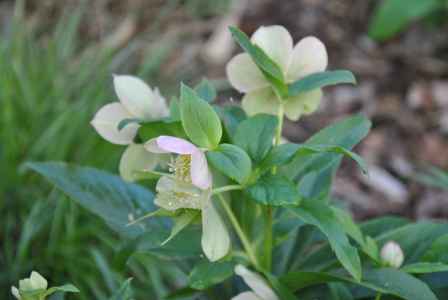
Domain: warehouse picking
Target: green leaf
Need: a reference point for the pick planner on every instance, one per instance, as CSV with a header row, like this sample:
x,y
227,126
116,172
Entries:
x,y
186,244
437,252
323,217
123,123
368,245
104,194
391,16
425,267
261,59
124,292
153,129
386,281
285,153
320,80
231,117
256,134
316,171
280,289
182,221
274,190
206,274
66,288
206,91
339,291
232,161
199,119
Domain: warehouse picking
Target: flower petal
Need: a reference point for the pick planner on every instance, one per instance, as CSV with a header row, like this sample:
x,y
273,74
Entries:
x,y
302,104
260,101
256,283
106,123
276,42
139,99
151,146
200,174
38,281
244,75
215,237
172,194
309,56
175,145
15,292
136,158
247,296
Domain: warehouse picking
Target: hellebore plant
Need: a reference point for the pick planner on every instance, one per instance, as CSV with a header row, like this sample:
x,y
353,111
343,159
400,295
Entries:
x,y
218,187
36,288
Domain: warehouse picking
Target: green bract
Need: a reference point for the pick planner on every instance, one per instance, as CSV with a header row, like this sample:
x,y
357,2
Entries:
x,y
200,121
201,169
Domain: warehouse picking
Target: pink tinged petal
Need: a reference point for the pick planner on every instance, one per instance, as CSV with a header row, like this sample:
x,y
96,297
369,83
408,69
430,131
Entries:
x,y
200,174
257,283
215,237
136,158
260,101
175,145
247,296
138,98
276,42
153,147
106,123
244,75
309,56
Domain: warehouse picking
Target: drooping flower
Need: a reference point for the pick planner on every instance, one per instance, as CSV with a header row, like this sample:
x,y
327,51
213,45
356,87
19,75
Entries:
x,y
189,187
392,255
260,288
308,56
137,101
35,284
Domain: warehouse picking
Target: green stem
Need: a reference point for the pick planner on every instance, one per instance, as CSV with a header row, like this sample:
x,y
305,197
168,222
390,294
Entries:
x,y
239,231
226,189
280,113
268,240
378,296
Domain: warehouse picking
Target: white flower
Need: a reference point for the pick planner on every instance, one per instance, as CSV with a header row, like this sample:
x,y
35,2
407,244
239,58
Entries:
x,y
35,283
308,56
137,101
190,187
392,255
260,288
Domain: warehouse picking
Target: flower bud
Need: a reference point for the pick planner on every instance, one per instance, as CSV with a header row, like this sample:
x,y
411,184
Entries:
x,y
392,255
35,285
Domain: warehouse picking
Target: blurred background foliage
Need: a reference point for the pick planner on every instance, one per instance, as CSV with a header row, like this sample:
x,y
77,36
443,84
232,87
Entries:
x,y
56,62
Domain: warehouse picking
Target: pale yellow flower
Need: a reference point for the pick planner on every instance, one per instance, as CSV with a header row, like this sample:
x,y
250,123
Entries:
x,y
137,101
308,56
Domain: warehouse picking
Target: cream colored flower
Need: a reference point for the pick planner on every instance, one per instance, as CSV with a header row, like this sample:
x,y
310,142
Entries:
x,y
34,284
308,56
137,101
190,187
260,288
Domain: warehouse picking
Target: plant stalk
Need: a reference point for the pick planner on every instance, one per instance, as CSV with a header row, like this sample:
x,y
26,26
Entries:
x,y
239,231
226,189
